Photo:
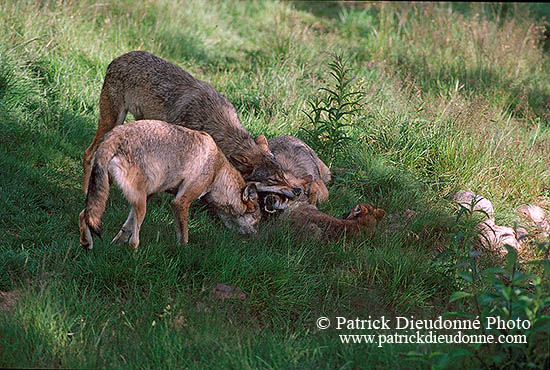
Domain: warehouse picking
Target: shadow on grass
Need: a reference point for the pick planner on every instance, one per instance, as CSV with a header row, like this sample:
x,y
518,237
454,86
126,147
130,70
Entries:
x,y
479,81
493,11
178,45
324,9
39,195
180,48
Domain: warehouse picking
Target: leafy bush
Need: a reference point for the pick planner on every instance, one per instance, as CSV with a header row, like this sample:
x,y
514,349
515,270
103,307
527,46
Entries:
x,y
509,294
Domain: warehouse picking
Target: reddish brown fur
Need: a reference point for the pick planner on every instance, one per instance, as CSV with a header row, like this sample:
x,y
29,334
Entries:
x,y
147,157
308,220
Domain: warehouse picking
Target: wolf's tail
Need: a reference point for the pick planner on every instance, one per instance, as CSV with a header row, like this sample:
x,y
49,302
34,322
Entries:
x,y
98,190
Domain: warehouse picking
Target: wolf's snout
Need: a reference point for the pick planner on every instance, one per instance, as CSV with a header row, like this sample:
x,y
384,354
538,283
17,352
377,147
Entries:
x,y
248,230
276,189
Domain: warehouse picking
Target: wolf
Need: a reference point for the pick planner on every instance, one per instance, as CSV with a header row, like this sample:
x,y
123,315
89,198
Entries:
x,y
150,156
302,167
152,88
311,222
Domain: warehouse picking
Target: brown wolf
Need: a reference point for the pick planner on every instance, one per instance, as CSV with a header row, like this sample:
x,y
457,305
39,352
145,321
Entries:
x,y
311,222
302,167
148,157
152,88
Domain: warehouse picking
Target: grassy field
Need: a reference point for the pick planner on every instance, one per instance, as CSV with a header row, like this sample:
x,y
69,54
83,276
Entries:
x,y
451,97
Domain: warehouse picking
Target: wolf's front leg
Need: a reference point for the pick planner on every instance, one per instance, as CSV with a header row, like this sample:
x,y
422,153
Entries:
x,y
180,208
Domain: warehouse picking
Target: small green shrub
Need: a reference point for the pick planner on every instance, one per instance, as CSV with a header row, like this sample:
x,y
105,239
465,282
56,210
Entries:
x,y
332,111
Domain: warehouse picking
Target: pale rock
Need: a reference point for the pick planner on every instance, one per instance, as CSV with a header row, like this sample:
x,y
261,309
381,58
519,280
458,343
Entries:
x,y
535,214
465,199
492,236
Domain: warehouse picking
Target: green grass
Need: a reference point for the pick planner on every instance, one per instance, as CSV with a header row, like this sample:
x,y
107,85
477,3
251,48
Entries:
x,y
454,97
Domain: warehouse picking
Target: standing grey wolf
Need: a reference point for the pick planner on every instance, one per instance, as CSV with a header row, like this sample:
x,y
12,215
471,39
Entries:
x,y
311,222
152,88
148,157
302,167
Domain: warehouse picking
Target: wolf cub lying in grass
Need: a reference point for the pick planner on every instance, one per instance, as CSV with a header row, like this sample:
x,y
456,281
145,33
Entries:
x,y
148,157
312,223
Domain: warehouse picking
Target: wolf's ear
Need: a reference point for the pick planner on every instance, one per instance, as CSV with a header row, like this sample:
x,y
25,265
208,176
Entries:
x,y
249,196
379,214
262,143
366,209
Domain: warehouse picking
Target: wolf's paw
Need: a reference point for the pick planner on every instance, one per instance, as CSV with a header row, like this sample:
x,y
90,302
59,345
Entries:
x,y
87,246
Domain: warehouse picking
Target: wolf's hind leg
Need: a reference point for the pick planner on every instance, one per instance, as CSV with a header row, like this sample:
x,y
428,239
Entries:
x,y
126,230
139,208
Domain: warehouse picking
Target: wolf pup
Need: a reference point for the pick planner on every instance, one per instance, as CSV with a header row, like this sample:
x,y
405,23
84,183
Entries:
x,y
152,88
148,157
302,167
306,218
